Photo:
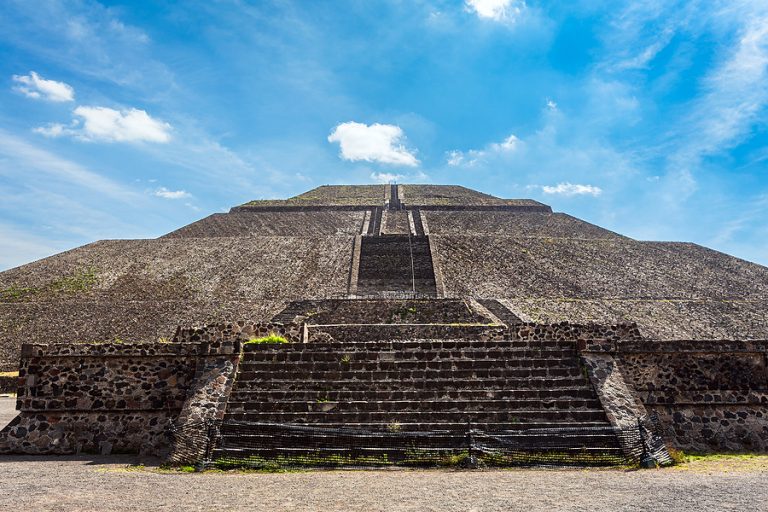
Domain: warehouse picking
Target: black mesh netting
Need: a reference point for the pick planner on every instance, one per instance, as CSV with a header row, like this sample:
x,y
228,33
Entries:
x,y
231,444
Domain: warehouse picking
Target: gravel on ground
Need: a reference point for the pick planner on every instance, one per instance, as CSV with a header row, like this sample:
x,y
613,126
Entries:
x,y
113,483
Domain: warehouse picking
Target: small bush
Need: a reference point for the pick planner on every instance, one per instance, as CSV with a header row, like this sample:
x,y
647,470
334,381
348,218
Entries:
x,y
270,338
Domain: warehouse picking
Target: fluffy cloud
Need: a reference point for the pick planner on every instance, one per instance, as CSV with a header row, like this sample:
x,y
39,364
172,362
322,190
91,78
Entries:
x,y
375,143
171,194
473,156
37,87
572,189
106,124
497,10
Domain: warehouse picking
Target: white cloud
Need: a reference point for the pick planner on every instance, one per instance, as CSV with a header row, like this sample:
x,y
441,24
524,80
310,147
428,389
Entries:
x,y
37,87
572,189
455,157
51,130
106,124
374,143
171,194
497,10
508,144
551,105
473,156
386,177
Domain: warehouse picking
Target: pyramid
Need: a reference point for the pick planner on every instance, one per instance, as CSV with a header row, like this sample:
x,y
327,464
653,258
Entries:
x,y
380,240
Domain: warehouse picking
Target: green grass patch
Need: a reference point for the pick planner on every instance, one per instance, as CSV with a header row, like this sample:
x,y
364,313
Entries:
x,y
9,374
15,293
271,338
680,457
80,281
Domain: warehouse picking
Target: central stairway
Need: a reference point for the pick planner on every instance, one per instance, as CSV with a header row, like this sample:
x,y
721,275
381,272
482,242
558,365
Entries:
x,y
523,391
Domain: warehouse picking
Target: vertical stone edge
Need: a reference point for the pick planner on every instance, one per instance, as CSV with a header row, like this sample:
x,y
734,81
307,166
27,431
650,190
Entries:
x,y
621,404
354,270
206,402
433,252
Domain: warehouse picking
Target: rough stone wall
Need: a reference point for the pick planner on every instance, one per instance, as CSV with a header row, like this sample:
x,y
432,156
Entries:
x,y
382,311
206,402
104,319
257,223
672,291
139,290
105,398
513,223
378,332
709,395
241,331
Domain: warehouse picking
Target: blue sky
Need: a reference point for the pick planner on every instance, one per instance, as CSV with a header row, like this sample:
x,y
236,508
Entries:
x,y
128,120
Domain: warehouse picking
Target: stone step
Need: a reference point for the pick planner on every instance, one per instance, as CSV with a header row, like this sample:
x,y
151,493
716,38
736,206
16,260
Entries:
x,y
322,438
288,371
347,363
434,427
414,345
293,383
343,416
417,406
409,355
261,395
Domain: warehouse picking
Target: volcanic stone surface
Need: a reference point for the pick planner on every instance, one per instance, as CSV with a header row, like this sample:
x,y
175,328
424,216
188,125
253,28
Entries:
x,y
251,262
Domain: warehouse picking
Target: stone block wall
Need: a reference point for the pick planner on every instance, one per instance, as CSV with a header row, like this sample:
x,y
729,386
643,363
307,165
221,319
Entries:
x,y
110,398
708,395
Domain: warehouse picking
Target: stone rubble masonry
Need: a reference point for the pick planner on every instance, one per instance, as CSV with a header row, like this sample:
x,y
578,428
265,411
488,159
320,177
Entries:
x,y
206,402
708,395
125,397
621,405
241,331
479,332
113,397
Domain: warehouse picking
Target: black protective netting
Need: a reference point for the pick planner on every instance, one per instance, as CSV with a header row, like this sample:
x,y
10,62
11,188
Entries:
x,y
231,444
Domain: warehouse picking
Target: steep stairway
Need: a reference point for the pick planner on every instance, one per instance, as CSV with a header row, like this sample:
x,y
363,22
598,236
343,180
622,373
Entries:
x,y
396,263
522,391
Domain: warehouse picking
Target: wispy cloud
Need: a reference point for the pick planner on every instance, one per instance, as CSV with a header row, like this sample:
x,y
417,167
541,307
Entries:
x,y
110,125
171,194
36,87
375,143
572,189
386,177
497,10
474,156
33,159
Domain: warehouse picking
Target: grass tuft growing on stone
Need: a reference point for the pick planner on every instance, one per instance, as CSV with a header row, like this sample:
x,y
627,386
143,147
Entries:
x,y
270,338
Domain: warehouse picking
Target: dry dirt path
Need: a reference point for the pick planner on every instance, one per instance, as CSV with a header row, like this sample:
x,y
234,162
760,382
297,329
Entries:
x,y
108,483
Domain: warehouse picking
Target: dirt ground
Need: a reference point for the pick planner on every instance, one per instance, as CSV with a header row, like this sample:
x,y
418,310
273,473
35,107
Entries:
x,y
120,483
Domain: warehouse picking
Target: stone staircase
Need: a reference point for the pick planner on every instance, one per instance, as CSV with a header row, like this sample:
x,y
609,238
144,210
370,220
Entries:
x,y
510,387
396,263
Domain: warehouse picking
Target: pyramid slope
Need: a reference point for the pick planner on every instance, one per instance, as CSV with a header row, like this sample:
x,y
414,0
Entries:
x,y
249,263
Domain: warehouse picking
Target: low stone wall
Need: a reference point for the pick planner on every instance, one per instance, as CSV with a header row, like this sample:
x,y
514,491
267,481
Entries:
x,y
237,331
592,333
350,333
708,395
111,398
382,311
